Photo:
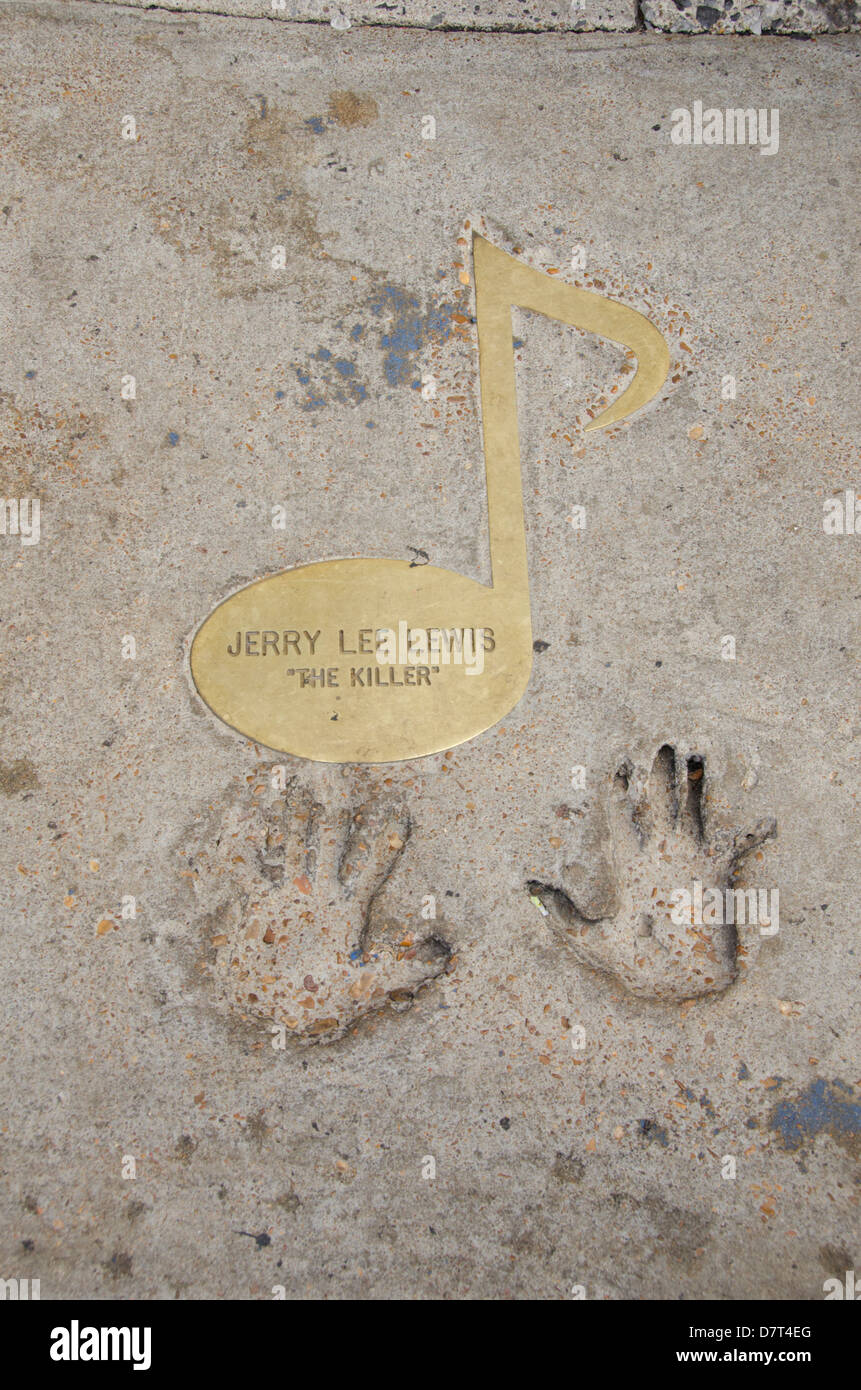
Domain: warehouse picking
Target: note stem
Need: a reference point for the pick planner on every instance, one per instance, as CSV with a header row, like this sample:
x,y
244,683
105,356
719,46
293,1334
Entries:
x,y
499,420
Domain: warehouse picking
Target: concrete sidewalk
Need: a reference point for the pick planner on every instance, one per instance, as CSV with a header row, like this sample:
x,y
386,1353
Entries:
x,y
578,1077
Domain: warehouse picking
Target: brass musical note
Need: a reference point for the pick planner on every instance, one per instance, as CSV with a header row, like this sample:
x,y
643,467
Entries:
x,y
374,660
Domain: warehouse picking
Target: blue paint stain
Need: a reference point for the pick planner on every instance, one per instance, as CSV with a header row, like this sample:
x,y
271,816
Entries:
x,y
317,124
653,1132
334,382
411,330
743,1074
707,1105
406,329
29,375
283,196
370,425
279,395
823,1107
173,438
517,343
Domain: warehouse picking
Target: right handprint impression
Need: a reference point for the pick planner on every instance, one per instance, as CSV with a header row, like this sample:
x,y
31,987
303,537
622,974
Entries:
x,y
620,913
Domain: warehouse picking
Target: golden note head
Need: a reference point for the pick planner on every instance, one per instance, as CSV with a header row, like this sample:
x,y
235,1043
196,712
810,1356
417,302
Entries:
x,y
293,661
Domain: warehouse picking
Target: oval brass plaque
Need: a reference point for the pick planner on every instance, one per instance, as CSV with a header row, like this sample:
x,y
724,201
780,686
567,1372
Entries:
x,y
374,660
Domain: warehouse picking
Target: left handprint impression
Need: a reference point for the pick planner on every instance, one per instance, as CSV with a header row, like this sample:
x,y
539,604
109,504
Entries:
x,y
288,888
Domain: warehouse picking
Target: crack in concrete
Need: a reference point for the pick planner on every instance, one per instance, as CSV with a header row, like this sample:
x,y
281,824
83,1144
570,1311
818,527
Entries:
x,y
363,22
639,25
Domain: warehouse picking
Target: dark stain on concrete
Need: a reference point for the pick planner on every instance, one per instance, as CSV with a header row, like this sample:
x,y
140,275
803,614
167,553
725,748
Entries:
x,y
682,1234
119,1266
261,1240
185,1147
566,1168
19,776
349,109
679,1234
835,1260
256,1128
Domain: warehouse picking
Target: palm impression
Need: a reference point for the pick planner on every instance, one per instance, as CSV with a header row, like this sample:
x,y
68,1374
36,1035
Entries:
x,y
623,912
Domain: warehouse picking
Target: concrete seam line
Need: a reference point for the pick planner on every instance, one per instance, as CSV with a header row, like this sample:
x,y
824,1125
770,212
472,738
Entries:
x,y
639,24
369,22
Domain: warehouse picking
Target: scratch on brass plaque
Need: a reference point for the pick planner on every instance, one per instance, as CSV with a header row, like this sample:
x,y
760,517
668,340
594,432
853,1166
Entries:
x,y
457,654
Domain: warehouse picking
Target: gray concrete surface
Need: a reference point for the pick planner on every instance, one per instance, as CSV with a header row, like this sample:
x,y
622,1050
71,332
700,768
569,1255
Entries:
x,y
578,1078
